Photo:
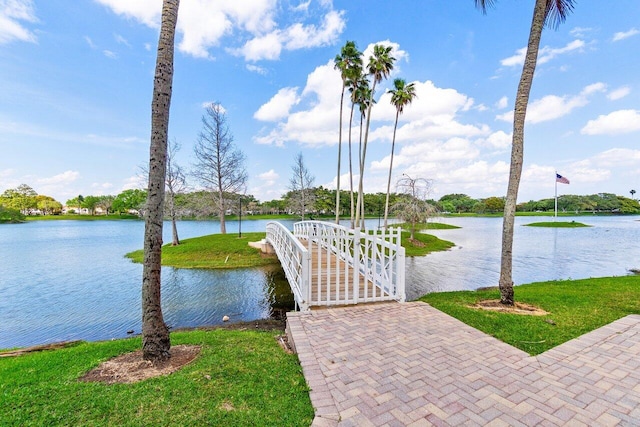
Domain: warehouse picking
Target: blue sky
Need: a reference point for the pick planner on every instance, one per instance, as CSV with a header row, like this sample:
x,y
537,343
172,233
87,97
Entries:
x,y
77,82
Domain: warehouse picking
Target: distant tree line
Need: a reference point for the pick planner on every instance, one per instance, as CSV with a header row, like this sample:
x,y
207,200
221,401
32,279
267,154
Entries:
x,y
601,202
203,204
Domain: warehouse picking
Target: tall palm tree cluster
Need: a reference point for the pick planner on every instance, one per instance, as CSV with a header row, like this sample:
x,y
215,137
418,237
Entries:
x,y
361,82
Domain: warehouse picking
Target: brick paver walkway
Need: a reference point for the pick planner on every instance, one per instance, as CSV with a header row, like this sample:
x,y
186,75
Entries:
x,y
409,364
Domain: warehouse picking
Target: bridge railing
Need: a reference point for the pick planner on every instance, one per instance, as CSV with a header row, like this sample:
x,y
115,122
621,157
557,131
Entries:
x,y
294,258
377,258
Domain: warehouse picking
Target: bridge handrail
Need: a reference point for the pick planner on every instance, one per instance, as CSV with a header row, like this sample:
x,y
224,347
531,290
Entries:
x,y
295,261
379,254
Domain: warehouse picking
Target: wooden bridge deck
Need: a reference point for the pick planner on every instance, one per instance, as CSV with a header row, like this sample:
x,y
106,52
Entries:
x,y
327,270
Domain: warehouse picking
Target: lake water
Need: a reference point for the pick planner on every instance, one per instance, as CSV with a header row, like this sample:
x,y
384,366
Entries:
x,y
66,280
609,248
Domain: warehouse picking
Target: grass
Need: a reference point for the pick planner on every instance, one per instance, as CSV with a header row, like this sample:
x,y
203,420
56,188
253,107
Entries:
x,y
240,378
557,224
576,307
77,217
428,244
427,226
213,251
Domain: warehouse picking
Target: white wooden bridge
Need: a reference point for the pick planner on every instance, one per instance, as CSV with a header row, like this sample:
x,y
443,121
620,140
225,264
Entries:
x,y
328,264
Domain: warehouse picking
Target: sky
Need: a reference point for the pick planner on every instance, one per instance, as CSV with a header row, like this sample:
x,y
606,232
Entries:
x,y
77,80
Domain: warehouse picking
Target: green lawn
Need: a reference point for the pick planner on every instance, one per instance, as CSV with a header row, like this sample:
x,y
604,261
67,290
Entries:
x,y
241,378
213,251
558,224
575,307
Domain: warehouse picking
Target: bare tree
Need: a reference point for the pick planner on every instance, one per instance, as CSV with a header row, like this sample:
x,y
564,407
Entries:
x,y
412,206
176,183
155,334
219,164
301,184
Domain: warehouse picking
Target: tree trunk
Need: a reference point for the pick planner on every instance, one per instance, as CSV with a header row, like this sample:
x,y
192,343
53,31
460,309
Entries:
x,y
360,202
393,146
339,157
155,334
174,231
352,205
221,213
517,151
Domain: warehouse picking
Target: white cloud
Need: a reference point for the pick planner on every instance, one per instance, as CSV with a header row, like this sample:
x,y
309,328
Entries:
x,y
625,34
267,187
499,140
297,36
269,176
619,93
267,47
545,54
551,107
12,12
300,36
251,24
315,123
133,182
110,54
256,69
102,186
121,40
147,47
278,106
431,115
615,123
502,103
145,11
62,178
207,104
580,31
90,42
399,54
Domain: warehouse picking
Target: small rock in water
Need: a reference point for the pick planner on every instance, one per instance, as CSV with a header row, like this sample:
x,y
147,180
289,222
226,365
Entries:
x,y
130,331
225,319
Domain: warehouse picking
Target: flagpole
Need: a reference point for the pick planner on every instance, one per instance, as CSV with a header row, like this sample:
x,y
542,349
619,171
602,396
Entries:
x,y
555,215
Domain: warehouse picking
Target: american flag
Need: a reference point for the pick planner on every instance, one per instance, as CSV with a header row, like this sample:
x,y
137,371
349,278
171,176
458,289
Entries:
x,y
561,179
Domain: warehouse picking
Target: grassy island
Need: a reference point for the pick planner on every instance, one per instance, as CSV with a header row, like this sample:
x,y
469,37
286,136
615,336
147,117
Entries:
x,y
557,224
427,226
213,251
230,251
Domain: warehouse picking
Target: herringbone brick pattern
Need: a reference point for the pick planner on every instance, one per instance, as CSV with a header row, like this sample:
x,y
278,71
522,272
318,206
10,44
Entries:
x,y
397,364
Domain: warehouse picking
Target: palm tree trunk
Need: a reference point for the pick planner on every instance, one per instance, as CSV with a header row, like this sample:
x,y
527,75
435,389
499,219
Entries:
x,y
339,157
362,160
155,334
352,205
517,150
393,145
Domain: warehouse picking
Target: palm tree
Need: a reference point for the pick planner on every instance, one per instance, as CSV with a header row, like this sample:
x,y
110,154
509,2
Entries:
x,y
402,95
348,62
155,334
359,88
633,192
379,67
545,12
